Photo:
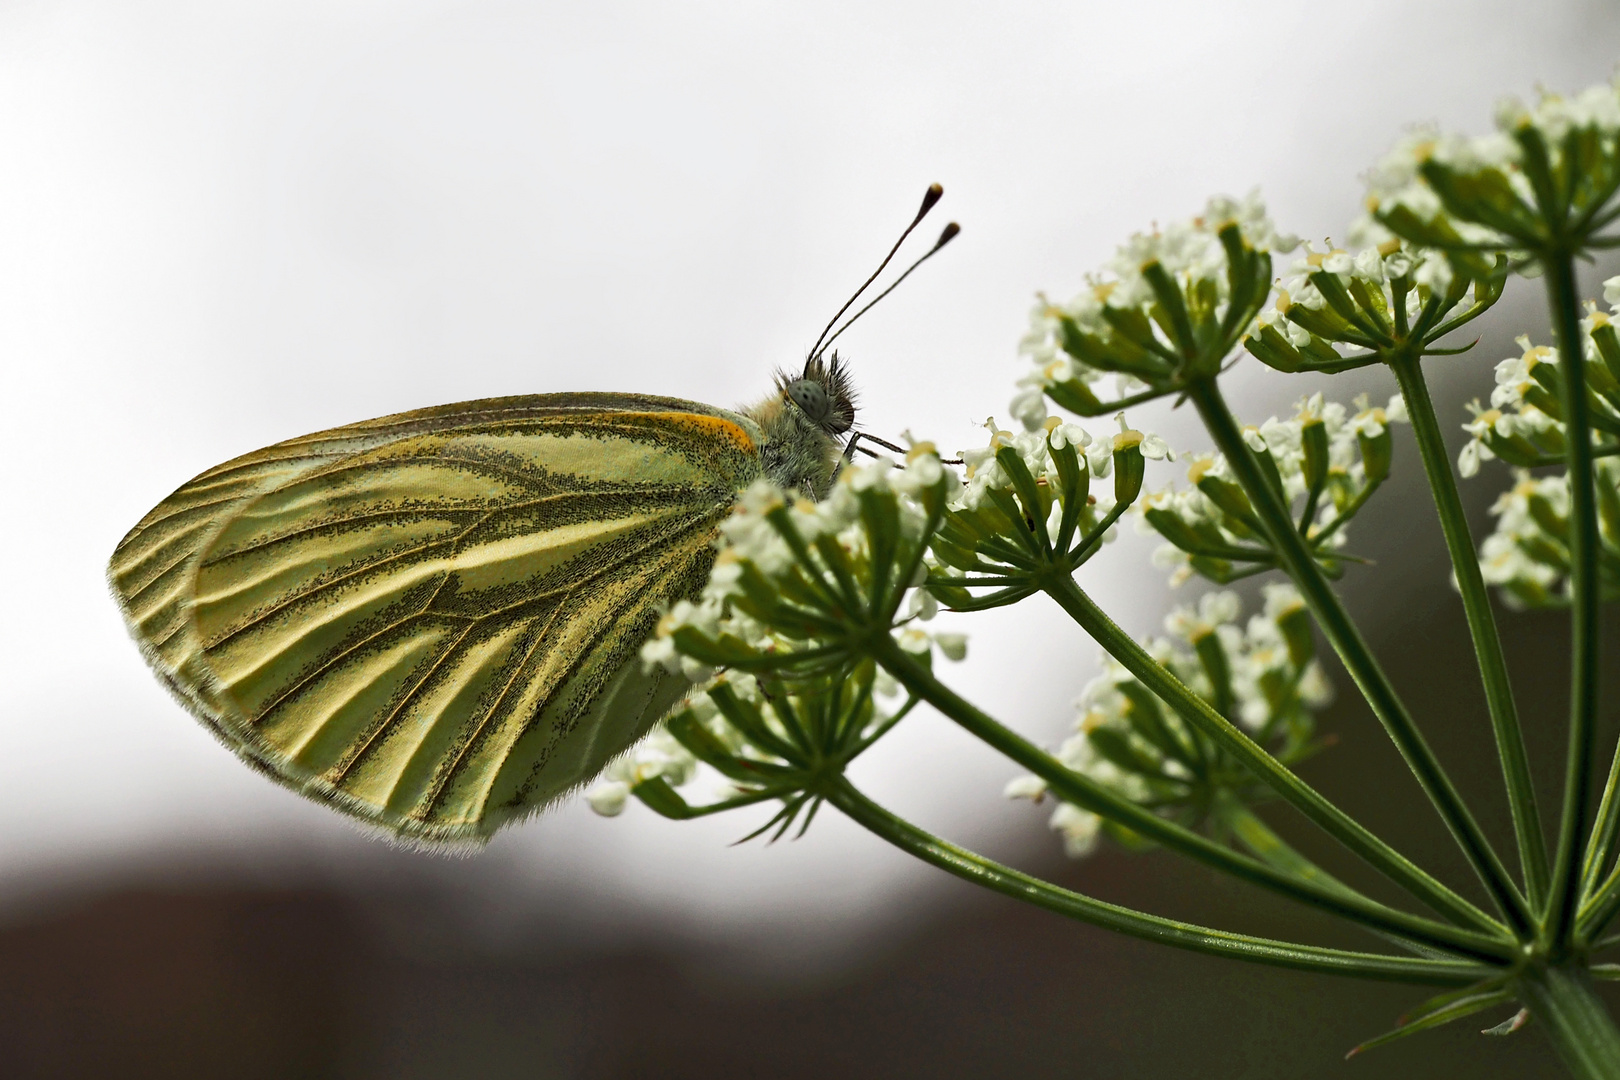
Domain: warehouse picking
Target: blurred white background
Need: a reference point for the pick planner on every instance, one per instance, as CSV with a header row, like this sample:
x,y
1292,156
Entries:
x,y
222,225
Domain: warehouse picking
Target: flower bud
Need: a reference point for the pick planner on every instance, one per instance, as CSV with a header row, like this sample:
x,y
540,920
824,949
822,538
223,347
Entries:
x,y
1376,452
1295,625
1226,495
1608,347
1314,439
1129,468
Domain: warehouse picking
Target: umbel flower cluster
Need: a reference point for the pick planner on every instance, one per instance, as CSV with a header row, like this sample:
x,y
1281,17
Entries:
x,y
1549,169
1528,554
1167,308
786,699
1338,310
1524,425
814,635
1326,459
1263,675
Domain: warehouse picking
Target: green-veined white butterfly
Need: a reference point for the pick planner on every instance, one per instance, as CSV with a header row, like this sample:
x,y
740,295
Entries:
x,y
432,620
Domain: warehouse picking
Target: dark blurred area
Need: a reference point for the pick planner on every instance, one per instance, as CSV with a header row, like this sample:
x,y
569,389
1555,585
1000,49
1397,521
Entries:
x,y
239,983
216,976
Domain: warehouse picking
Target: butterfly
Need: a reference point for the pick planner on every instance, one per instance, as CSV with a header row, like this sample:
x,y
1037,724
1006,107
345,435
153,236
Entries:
x,y
432,620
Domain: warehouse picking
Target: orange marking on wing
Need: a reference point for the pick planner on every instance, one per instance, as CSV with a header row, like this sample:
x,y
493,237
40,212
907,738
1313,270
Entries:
x,y
713,426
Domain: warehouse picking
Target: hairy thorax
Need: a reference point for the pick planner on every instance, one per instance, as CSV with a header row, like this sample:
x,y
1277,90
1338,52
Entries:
x,y
797,453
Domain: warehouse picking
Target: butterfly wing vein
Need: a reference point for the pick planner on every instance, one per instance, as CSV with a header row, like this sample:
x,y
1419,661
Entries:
x,y
432,620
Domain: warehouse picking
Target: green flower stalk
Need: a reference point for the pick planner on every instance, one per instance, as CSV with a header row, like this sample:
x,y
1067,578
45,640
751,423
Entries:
x,y
1539,192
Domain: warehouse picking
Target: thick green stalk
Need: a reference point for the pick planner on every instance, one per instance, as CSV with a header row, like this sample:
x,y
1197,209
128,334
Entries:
x,y
1089,795
1236,742
1353,652
1564,897
1003,879
1476,600
1581,1030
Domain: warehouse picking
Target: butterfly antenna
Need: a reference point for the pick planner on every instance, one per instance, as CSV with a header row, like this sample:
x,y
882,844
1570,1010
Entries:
x,y
930,197
854,444
944,238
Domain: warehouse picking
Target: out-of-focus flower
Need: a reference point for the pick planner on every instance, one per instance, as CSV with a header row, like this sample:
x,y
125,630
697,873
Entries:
x,y
1261,675
1536,182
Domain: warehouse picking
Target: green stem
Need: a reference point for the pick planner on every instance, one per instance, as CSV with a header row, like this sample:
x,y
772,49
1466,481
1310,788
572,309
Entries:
x,y
1020,886
1601,907
1089,795
1357,658
1351,509
1600,848
1580,1028
1256,835
1481,624
1198,713
1564,898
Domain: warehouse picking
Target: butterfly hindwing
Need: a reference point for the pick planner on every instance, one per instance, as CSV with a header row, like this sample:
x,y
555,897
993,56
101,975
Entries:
x,y
432,620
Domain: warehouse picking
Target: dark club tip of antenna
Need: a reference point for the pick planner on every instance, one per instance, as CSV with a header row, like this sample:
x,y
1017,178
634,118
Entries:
x,y
930,197
947,235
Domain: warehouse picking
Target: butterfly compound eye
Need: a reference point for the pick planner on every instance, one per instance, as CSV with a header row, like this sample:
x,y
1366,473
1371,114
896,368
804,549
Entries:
x,y
811,398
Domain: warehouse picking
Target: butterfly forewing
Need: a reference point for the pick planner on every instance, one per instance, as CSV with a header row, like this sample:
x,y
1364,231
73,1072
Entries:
x,y
432,619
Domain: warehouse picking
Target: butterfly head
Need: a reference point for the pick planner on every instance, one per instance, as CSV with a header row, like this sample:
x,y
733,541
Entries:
x,y
802,422
823,394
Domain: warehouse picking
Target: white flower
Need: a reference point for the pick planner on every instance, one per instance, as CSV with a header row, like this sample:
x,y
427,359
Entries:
x,y
1282,598
1079,828
1370,420
1152,446
1060,434
1611,292
1314,689
1280,436
914,641
1213,610
1032,788
1028,406
921,605
660,652
1369,265
608,797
